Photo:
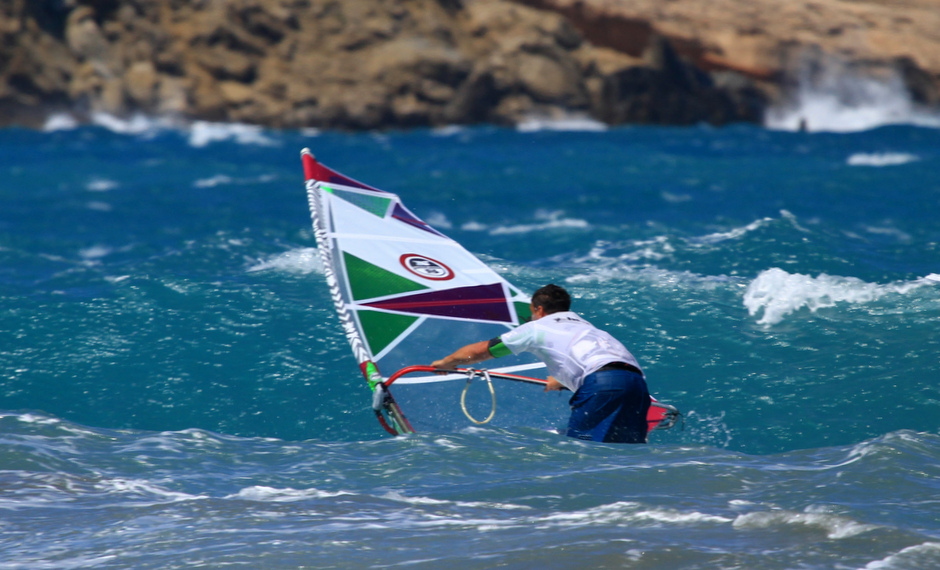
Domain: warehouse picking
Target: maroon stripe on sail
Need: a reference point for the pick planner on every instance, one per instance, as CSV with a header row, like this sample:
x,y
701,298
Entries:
x,y
480,302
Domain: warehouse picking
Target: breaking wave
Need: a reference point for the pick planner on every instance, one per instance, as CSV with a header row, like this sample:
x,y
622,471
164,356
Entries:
x,y
778,293
200,133
832,97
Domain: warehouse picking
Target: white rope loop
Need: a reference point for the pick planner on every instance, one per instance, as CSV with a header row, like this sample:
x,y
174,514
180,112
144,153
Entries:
x,y
463,396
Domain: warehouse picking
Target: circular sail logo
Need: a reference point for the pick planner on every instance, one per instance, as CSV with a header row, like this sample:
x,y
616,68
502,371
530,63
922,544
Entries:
x,y
426,267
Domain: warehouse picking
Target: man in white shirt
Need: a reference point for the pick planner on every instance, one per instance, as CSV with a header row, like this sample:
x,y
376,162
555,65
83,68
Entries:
x,y
610,399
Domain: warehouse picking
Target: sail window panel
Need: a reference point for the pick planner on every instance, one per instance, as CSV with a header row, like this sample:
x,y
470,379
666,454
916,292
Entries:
x,y
375,204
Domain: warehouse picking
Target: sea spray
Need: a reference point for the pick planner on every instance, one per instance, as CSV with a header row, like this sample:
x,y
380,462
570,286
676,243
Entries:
x,y
832,96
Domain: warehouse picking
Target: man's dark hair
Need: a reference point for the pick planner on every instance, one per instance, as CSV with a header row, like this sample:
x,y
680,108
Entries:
x,y
552,298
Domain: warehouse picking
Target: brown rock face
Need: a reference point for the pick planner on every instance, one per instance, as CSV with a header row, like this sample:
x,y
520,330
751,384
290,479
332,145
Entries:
x,y
770,41
367,64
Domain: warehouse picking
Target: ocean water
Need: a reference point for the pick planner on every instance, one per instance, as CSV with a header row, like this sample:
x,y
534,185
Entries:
x,y
175,391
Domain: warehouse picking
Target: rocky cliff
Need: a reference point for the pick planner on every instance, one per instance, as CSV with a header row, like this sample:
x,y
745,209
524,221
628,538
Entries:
x,y
365,64
775,41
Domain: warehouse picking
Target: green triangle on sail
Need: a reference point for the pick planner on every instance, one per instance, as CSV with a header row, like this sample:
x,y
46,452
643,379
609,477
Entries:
x,y
376,205
381,329
367,281
523,313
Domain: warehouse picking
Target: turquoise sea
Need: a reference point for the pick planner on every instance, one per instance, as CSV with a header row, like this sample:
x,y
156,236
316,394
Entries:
x,y
175,391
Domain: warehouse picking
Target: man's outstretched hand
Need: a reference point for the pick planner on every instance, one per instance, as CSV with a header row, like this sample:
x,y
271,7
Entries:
x,y
554,385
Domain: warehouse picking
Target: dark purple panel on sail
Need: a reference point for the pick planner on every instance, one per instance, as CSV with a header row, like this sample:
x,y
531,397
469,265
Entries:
x,y
400,213
480,302
337,178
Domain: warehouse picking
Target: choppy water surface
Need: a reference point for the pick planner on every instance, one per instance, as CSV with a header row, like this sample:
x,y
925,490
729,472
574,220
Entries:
x,y
176,391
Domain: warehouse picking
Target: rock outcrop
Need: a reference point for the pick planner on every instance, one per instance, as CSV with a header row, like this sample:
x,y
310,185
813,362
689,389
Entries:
x,y
368,64
773,42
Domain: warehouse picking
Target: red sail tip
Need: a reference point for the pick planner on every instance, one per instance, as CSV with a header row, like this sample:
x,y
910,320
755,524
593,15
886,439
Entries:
x,y
313,170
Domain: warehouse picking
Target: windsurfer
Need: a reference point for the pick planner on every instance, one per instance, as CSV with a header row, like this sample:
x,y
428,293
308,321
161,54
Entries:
x,y
610,399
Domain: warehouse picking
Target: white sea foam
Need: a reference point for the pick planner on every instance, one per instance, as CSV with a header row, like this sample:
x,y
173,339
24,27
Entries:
x,y
41,561
736,233
33,419
608,260
473,227
273,495
203,133
551,220
398,497
881,159
673,198
147,488
135,125
448,130
439,220
60,122
212,181
617,513
100,185
223,180
895,233
660,278
832,97
654,249
200,133
925,555
561,223
710,429
95,252
303,261
614,255
835,526
573,122
778,293
627,511
733,233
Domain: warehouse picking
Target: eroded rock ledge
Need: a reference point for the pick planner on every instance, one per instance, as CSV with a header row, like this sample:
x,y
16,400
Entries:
x,y
369,64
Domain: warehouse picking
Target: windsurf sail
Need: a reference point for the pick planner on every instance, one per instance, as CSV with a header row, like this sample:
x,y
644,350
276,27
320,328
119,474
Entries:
x,y
404,292
401,288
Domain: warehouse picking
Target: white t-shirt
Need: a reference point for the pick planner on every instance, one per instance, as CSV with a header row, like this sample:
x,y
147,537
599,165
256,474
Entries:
x,y
570,347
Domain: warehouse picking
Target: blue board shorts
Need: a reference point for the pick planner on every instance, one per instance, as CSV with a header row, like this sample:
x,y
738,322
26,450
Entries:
x,y
610,406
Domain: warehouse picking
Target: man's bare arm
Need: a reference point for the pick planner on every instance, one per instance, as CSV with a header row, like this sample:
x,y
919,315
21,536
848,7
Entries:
x,y
470,354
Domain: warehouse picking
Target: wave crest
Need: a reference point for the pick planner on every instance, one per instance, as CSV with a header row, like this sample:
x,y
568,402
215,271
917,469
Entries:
x,y
779,293
833,96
